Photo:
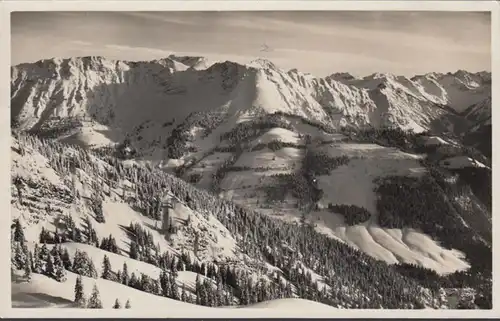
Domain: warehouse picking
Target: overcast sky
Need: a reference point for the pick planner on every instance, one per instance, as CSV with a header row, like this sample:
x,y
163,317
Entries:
x,y
321,43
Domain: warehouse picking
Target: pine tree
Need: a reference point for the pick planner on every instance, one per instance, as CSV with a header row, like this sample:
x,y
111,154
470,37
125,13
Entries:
x,y
125,276
134,253
173,267
99,215
118,276
78,263
145,284
13,250
59,271
117,304
37,263
66,259
127,305
162,283
93,239
166,218
20,255
56,250
112,245
219,299
44,238
196,244
57,238
183,294
92,269
27,267
49,267
104,244
83,265
18,232
79,294
133,282
95,299
157,287
174,288
204,295
198,289
26,251
44,252
109,244
77,235
179,267
106,268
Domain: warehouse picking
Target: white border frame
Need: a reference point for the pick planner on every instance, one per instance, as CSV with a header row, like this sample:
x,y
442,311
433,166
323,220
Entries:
x,y
74,5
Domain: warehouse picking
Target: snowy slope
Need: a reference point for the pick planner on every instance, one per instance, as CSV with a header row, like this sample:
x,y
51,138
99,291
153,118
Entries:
x,y
43,292
349,184
34,167
234,129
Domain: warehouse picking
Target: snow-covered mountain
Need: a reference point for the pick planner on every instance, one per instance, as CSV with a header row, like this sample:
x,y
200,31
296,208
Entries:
x,y
110,92
326,159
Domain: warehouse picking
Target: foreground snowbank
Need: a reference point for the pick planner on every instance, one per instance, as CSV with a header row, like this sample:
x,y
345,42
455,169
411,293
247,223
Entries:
x,y
43,292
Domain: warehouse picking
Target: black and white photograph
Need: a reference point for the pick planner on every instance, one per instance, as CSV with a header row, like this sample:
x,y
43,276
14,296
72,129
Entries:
x,y
251,161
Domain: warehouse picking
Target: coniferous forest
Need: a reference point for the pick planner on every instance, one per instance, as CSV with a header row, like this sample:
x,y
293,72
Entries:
x,y
351,279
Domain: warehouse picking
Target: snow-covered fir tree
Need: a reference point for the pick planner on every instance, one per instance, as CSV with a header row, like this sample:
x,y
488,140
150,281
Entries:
x,y
117,304
79,292
18,232
94,301
59,269
106,268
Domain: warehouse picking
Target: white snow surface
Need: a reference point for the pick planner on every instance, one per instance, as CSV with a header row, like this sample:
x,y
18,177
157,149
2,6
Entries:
x,y
461,162
351,184
435,140
43,292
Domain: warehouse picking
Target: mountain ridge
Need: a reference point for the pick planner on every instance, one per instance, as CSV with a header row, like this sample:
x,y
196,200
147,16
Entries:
x,y
195,59
383,103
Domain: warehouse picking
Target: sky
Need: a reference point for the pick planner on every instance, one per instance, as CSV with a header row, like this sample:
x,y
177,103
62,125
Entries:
x,y
316,42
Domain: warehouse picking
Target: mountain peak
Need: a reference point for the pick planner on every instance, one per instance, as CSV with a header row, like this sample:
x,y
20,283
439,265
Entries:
x,y
263,63
341,76
195,62
380,75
